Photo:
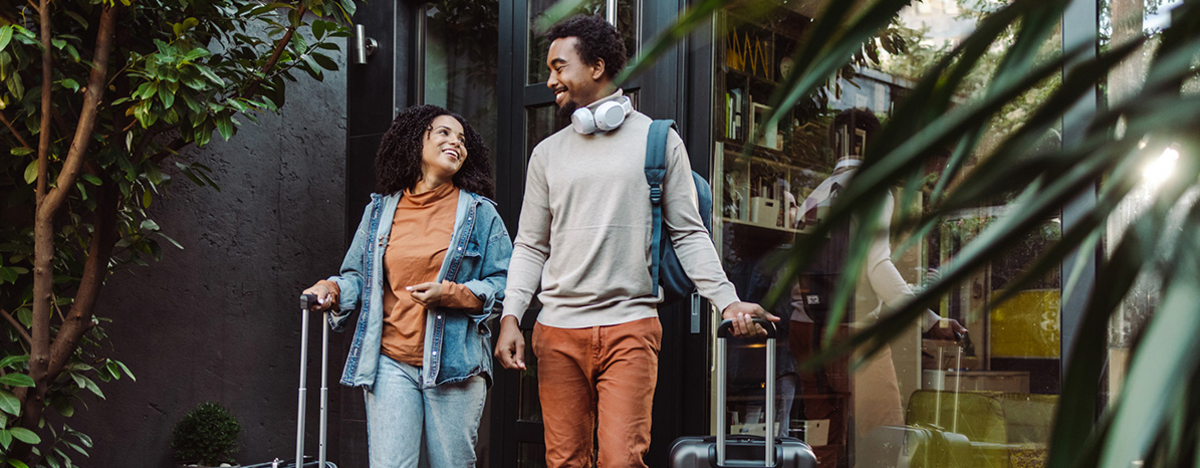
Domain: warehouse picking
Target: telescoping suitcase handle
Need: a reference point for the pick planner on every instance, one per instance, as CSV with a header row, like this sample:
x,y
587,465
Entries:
x,y
306,303
723,332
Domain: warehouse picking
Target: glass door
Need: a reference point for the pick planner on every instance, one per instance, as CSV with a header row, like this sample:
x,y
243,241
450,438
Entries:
x,y
528,115
997,386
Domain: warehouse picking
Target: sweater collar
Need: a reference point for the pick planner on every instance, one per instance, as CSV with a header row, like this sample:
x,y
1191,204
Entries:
x,y
611,97
431,196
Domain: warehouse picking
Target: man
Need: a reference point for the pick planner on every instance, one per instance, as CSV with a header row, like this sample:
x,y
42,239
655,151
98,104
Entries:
x,y
584,237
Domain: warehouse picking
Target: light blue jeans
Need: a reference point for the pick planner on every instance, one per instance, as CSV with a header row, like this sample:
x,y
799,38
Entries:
x,y
399,411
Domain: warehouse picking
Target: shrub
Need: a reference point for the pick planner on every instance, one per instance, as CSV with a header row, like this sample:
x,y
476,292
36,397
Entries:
x,y
207,435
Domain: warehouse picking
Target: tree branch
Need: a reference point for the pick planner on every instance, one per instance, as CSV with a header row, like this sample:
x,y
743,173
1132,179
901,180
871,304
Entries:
x,y
17,325
48,205
100,248
14,131
279,47
173,147
47,82
150,135
43,244
87,118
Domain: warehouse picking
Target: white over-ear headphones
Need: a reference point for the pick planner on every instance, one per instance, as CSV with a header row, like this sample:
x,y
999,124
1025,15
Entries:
x,y
608,116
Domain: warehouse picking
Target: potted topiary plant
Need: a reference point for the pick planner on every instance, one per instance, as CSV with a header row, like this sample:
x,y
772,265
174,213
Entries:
x,y
206,436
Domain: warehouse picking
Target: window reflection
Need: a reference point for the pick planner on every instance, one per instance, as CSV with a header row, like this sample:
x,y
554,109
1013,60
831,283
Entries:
x,y
461,61
988,397
1122,21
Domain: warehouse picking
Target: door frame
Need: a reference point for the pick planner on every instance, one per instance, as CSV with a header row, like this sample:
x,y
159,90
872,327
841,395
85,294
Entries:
x,y
676,88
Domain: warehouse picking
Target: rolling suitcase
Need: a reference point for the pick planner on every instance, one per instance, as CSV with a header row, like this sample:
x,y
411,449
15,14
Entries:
x,y
306,303
745,451
918,445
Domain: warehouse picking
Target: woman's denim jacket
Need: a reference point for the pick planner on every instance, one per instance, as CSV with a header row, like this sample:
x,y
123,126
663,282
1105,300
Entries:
x,y
457,342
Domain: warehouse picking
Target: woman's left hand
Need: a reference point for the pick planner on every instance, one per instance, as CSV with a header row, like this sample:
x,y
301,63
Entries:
x,y
426,294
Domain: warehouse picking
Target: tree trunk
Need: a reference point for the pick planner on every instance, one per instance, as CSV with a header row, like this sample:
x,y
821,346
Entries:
x,y
47,358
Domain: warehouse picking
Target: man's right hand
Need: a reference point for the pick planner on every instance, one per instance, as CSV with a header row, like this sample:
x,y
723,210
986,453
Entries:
x,y
324,301
510,346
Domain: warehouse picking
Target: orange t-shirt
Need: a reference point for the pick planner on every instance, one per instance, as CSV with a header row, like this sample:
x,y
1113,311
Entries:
x,y
419,239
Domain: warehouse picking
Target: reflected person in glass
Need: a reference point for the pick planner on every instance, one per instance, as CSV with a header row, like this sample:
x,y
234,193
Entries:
x,y
874,386
427,265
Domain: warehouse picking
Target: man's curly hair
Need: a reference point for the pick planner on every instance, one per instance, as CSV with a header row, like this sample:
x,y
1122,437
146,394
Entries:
x,y
598,40
398,162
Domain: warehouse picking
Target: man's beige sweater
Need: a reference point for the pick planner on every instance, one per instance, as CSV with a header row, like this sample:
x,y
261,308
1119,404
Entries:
x,y
584,232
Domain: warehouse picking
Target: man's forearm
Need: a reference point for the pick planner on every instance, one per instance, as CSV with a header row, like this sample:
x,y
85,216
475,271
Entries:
x,y
524,274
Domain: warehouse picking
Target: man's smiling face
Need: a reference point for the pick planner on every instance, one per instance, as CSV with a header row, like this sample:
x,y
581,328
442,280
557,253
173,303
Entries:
x,y
575,83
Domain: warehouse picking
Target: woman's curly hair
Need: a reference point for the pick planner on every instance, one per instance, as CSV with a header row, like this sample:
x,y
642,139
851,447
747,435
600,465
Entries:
x,y
398,162
598,40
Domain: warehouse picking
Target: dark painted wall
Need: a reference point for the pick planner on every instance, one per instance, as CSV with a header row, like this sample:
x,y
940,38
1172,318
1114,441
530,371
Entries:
x,y
220,319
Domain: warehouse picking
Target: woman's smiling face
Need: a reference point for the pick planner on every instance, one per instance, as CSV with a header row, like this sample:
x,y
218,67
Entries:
x,y
444,148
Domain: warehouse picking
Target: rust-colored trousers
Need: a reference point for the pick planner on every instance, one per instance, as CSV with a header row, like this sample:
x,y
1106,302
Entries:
x,y
597,379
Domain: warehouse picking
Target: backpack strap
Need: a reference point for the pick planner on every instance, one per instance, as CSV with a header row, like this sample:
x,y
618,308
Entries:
x,y
656,170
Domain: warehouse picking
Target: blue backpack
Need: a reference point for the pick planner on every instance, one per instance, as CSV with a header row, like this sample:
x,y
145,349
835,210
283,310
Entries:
x,y
665,269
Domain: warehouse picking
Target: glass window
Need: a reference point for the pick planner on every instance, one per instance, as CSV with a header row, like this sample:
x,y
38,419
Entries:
x,y
461,62
996,387
1120,22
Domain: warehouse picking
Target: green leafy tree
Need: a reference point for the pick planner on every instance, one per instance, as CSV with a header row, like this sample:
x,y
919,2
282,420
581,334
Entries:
x,y
99,97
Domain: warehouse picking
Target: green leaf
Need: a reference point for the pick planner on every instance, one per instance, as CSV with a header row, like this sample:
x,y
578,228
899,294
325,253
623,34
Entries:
x,y
8,361
58,43
167,98
70,84
16,87
325,62
9,403
318,29
225,127
146,199
80,381
31,172
5,439
78,19
21,151
92,179
126,369
149,225
64,407
196,53
204,71
172,241
77,448
92,387
237,104
16,380
16,463
25,435
72,52
5,36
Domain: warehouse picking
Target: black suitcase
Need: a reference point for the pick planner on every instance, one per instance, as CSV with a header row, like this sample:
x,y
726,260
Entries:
x,y
306,303
742,451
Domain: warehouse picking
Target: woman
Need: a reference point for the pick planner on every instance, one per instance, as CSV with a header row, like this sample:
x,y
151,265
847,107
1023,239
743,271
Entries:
x,y
428,263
